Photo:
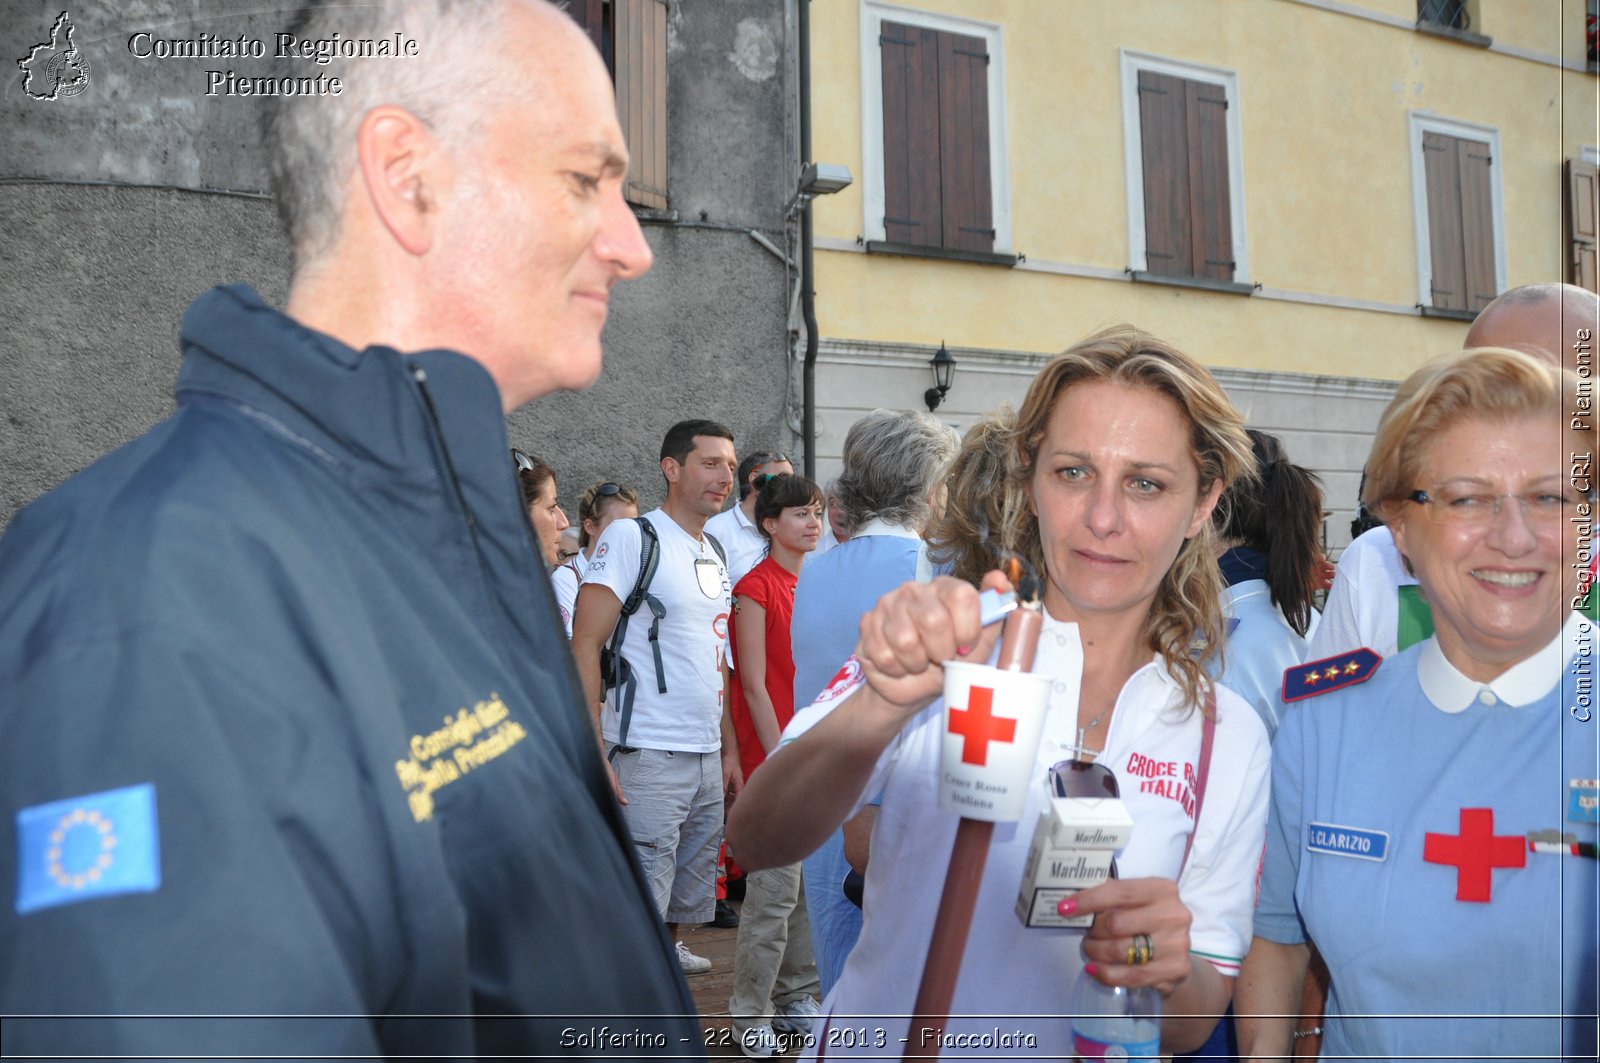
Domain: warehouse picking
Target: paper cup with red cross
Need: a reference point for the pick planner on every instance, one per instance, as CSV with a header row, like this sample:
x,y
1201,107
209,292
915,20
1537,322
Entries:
x,y
992,721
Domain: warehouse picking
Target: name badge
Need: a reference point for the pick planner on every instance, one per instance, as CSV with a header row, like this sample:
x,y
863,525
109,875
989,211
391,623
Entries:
x,y
1583,801
1336,840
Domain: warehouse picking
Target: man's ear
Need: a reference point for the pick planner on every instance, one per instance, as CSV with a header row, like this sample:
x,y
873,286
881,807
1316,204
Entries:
x,y
670,469
400,169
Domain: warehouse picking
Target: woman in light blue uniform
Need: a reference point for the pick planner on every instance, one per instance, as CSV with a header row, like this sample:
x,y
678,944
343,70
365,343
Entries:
x,y
1433,815
1267,529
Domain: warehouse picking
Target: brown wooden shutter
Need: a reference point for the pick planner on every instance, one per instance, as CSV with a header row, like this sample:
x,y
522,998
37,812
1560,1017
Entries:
x,y
1210,211
1477,222
1583,208
912,164
641,70
591,15
1441,173
1164,136
967,200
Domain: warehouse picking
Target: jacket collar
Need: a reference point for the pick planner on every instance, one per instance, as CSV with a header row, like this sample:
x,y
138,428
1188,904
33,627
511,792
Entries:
x,y
366,412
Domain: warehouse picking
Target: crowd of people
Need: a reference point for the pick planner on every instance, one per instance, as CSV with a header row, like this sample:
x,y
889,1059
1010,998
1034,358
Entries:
x,y
328,733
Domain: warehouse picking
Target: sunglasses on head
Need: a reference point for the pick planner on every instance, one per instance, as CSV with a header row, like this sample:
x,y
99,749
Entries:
x,y
765,459
606,490
524,462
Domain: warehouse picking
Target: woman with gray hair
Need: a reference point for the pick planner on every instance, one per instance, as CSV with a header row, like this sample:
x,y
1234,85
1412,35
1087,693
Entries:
x,y
892,485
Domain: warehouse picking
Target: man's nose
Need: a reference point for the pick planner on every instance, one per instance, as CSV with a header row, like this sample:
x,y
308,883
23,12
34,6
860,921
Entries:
x,y
621,241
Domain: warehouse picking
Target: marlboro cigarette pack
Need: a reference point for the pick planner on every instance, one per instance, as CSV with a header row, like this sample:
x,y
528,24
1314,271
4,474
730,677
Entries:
x,y
1072,848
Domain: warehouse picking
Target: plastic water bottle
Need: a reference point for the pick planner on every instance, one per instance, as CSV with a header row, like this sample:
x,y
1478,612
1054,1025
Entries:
x,y
1114,1022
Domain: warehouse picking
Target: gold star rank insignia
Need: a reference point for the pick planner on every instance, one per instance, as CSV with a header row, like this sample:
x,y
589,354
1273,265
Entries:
x,y
1330,673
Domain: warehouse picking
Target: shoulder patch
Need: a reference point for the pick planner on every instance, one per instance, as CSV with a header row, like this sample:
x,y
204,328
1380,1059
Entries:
x,y
1330,673
97,845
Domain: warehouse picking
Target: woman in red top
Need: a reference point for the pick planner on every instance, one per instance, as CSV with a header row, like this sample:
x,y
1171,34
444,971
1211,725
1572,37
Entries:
x,y
774,978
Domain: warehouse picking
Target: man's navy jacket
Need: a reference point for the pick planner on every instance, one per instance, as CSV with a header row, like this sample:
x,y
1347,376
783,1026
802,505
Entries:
x,y
289,728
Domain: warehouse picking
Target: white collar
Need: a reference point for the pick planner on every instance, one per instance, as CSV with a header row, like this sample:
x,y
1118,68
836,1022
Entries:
x,y
743,521
879,526
1523,683
1250,588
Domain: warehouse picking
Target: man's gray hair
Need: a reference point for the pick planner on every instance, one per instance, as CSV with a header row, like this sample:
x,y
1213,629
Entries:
x,y
892,460
311,140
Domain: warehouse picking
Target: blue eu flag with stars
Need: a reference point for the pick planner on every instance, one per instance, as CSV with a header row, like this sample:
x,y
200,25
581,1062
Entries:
x,y
97,845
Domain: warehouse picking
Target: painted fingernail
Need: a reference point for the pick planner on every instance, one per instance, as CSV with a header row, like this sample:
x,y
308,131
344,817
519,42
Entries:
x,y
1090,969
1067,907
962,651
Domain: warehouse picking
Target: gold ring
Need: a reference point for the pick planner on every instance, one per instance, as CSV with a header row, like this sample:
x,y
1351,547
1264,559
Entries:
x,y
1142,951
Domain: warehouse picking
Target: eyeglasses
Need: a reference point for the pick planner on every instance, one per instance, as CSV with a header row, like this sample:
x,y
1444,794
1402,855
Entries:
x,y
606,490
524,462
1469,504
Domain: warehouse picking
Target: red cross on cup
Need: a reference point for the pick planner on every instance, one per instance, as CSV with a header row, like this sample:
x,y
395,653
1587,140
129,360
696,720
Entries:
x,y
1475,852
978,726
989,739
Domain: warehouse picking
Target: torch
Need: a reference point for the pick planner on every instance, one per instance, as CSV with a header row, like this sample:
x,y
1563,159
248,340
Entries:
x,y
982,705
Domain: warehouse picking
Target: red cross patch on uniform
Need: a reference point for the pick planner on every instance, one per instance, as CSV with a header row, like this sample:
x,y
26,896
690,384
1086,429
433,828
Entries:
x,y
1331,673
1475,851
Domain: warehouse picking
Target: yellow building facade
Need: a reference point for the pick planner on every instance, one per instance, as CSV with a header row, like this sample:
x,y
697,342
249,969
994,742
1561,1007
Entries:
x,y
1321,243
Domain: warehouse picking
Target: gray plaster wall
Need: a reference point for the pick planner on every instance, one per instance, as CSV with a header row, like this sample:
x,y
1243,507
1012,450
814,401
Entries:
x,y
121,204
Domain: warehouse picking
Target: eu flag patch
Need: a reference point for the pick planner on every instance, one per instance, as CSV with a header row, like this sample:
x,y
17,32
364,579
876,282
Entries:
x,y
97,845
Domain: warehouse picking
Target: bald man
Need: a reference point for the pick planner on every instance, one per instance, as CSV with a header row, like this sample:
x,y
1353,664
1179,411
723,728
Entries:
x,y
1374,601
1554,321
290,728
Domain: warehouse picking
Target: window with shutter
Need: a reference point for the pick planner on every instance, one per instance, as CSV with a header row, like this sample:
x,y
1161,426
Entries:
x,y
935,179
1184,169
936,183
1583,207
1461,229
632,37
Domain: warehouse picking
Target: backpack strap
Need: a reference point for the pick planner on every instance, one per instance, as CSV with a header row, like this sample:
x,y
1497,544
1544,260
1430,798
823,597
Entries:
x,y
649,557
622,676
658,613
717,546
1208,734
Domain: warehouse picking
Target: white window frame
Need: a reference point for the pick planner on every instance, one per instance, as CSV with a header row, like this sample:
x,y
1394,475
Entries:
x,y
1425,122
1133,152
873,13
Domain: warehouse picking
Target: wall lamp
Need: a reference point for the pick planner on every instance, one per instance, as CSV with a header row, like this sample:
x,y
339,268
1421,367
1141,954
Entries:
x,y
818,179
944,371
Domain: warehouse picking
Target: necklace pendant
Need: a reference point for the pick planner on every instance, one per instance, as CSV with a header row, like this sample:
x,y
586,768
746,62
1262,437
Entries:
x,y
1080,748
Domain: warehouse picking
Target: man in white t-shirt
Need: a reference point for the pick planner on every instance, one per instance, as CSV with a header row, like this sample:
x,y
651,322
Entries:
x,y
1370,604
667,735
736,529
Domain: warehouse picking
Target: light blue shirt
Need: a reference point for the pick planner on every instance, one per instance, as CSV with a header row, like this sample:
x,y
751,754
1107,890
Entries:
x,y
1373,788
1260,646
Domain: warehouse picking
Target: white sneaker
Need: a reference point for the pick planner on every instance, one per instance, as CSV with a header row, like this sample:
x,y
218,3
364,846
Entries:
x,y
797,1016
759,1042
691,963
